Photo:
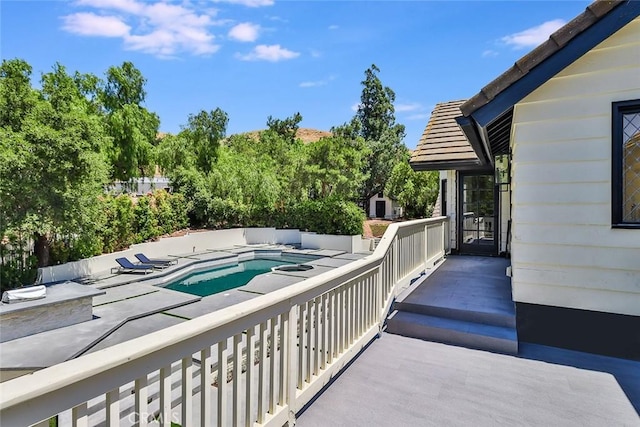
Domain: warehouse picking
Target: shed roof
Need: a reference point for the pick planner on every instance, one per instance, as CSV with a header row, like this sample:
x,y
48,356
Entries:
x,y
443,145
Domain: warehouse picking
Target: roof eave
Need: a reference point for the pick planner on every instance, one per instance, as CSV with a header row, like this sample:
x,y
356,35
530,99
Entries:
x,y
478,143
599,21
602,19
447,165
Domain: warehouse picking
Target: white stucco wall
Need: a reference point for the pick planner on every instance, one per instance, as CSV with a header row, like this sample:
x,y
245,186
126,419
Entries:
x,y
565,252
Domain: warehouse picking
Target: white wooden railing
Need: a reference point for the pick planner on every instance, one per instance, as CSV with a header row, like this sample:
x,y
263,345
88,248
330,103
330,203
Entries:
x,y
261,360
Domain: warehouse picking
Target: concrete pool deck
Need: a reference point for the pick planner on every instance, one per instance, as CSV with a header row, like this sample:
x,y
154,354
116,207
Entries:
x,y
133,305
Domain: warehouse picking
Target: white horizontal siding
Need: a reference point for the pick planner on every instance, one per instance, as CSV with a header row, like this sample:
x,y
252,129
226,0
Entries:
x,y
575,235
581,298
564,194
569,150
581,277
564,251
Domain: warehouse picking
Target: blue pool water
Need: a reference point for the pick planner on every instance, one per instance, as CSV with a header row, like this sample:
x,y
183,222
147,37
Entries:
x,y
223,278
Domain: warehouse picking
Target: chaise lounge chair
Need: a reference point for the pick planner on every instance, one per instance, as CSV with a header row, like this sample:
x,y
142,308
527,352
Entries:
x,y
127,266
166,262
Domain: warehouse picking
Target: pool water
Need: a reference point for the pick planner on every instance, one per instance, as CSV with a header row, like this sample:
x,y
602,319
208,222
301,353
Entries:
x,y
221,279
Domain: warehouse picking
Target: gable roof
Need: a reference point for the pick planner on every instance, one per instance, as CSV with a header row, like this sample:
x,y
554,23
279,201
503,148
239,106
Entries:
x,y
487,116
558,40
491,110
443,145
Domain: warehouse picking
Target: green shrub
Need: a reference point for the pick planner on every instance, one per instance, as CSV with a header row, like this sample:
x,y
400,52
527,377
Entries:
x,y
145,220
180,209
327,216
117,231
225,213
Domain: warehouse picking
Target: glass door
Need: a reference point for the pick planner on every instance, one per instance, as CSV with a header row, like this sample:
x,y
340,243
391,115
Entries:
x,y
478,216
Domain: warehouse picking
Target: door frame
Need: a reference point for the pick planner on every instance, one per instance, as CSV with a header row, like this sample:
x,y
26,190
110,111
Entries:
x,y
491,250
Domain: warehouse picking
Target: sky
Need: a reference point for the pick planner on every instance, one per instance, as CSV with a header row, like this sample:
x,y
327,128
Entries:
x,y
260,58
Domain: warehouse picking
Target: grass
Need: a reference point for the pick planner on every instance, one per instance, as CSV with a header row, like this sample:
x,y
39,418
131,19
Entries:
x,y
378,229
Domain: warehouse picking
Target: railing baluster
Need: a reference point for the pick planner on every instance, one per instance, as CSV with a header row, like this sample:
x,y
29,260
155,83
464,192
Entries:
x,y
325,334
317,335
352,309
262,372
249,378
142,412
302,341
187,391
272,365
205,386
309,354
165,396
293,341
223,354
237,375
331,325
112,408
284,355
80,416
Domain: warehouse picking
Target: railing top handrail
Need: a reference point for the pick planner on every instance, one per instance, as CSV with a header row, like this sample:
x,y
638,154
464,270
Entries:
x,y
42,382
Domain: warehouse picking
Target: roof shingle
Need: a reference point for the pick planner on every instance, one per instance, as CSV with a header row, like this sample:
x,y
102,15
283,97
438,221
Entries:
x,y
443,140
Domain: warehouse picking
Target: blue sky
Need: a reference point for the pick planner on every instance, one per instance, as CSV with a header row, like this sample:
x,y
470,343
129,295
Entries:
x,y
255,58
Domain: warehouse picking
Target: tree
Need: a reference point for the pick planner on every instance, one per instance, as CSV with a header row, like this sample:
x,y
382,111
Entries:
x,y
415,191
335,167
375,123
133,128
52,166
287,128
204,133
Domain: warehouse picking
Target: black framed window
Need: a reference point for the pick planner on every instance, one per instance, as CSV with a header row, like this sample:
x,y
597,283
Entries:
x,y
626,164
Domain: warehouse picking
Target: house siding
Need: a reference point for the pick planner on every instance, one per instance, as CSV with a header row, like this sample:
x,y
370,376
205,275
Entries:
x,y
564,251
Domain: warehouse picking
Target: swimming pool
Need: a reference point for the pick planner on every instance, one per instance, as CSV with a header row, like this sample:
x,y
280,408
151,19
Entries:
x,y
220,279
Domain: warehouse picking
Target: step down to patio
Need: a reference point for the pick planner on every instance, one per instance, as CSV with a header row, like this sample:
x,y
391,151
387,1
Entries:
x,y
465,302
480,336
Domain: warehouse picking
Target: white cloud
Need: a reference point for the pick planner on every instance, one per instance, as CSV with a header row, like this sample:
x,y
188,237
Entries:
x,y
271,53
355,106
129,6
533,36
317,82
161,29
333,27
489,53
245,32
412,106
248,3
89,24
